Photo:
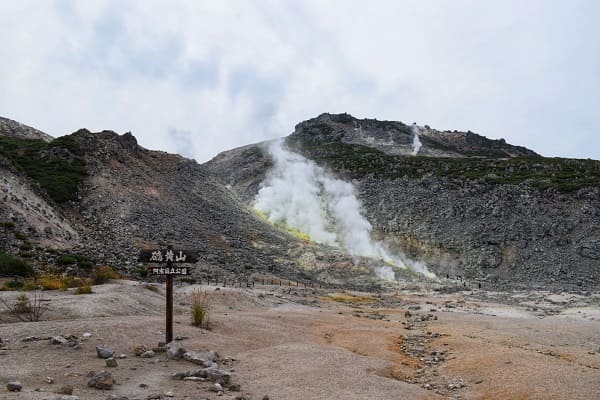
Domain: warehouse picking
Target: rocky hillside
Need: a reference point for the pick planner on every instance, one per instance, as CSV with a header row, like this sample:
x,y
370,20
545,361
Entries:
x,y
466,205
100,197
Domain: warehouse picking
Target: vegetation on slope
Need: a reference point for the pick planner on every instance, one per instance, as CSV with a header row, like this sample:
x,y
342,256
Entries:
x,y
58,166
356,161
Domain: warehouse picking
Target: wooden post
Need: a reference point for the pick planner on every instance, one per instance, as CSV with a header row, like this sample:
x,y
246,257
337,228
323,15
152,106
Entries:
x,y
169,319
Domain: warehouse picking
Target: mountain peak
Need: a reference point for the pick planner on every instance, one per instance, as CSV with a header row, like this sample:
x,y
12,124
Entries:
x,y
396,138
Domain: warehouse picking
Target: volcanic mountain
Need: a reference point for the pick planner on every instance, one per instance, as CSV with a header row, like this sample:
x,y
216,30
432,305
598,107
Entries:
x,y
465,205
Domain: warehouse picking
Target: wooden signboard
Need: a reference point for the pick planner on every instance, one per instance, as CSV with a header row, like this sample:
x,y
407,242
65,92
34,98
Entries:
x,y
169,256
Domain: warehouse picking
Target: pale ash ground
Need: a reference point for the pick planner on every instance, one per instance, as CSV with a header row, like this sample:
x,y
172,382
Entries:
x,y
545,346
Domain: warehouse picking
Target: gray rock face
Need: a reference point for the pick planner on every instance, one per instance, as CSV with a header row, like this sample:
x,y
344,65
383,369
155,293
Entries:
x,y
104,351
102,380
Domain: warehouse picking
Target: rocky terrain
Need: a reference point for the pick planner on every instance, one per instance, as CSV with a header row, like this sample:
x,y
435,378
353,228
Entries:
x,y
467,206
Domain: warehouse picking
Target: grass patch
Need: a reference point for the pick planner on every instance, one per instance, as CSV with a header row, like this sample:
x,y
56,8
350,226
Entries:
x,y
200,308
151,288
85,289
105,273
58,167
348,298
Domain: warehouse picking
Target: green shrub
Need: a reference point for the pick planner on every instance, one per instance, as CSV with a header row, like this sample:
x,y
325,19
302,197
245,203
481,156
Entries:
x,y
58,167
26,246
11,265
83,261
20,235
66,259
8,225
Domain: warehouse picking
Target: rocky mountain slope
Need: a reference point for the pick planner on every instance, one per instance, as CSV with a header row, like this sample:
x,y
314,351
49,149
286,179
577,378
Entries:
x,y
102,197
466,205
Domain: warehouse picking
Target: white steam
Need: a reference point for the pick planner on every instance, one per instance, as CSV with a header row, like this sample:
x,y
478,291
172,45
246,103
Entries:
x,y
301,195
416,142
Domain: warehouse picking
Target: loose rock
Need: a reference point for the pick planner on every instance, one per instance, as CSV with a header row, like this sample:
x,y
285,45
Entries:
x,y
111,363
147,354
102,380
104,351
14,386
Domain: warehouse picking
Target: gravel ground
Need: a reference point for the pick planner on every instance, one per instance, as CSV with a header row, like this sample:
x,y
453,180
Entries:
x,y
407,345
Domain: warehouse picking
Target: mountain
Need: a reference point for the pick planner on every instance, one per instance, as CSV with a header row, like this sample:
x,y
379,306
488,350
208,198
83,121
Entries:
x,y
466,205
102,197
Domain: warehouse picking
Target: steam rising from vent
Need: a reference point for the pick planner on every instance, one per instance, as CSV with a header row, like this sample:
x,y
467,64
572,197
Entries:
x,y
301,195
416,142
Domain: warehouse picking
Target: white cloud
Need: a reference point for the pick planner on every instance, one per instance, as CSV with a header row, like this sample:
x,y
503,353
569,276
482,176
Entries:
x,y
236,72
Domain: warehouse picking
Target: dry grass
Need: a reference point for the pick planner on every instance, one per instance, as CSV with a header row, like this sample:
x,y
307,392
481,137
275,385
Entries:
x,y
86,289
348,298
24,308
105,273
200,308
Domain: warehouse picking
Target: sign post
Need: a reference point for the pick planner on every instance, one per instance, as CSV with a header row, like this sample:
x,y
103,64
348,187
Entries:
x,y
170,257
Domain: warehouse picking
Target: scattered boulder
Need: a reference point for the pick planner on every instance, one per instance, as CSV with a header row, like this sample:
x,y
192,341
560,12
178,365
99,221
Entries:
x,y
174,351
104,351
14,386
102,380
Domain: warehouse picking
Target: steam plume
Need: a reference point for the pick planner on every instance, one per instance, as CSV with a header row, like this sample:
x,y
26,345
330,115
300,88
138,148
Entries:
x,y
301,195
416,142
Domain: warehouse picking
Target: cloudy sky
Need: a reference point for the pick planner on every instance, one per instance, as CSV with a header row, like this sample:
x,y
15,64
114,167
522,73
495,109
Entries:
x,y
200,77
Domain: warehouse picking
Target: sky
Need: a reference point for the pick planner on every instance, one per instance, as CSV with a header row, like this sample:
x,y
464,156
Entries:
x,y
200,77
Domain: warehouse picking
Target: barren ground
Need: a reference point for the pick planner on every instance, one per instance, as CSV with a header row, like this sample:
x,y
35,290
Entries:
x,y
296,343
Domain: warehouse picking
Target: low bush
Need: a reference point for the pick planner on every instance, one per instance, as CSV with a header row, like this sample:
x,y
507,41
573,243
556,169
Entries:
x,y
104,274
66,259
11,265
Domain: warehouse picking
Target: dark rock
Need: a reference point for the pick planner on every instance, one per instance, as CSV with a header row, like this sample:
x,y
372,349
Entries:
x,y
14,386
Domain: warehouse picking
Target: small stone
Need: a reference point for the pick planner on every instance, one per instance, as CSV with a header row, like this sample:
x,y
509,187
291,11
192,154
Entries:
x,y
154,396
122,355
179,337
216,388
169,394
68,397
102,380
147,354
49,379
86,335
104,351
66,389
115,397
194,378
14,386
265,397
111,363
